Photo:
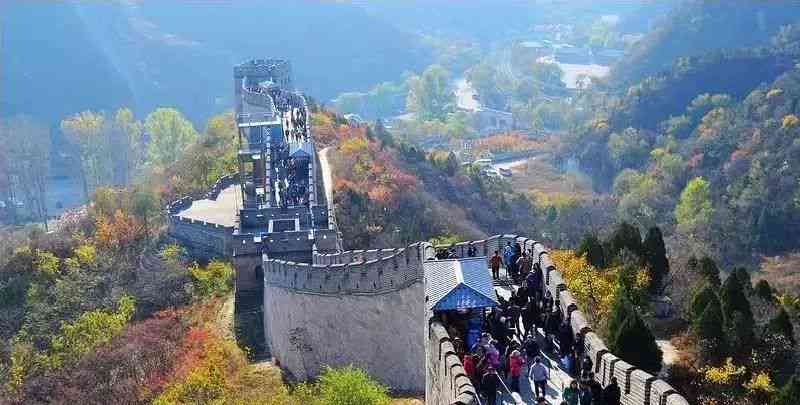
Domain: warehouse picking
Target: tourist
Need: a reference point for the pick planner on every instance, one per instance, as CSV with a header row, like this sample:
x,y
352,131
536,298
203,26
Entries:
x,y
472,251
530,315
508,254
470,363
547,303
495,264
490,383
524,264
612,393
586,366
597,389
541,401
515,363
572,395
565,338
513,314
539,373
585,394
531,347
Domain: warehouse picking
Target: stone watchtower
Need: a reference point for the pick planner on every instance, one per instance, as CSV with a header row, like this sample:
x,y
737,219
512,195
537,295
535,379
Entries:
x,y
283,214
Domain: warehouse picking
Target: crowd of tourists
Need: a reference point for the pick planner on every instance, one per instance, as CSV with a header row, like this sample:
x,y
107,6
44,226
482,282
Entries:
x,y
522,333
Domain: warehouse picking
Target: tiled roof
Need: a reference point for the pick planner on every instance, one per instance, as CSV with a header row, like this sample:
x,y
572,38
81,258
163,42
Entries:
x,y
458,283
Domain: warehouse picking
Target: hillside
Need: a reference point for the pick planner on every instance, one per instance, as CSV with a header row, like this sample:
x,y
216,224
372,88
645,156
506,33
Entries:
x,y
146,55
699,26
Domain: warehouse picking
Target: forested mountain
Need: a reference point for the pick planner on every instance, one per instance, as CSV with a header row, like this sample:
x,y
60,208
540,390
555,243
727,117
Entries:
x,y
699,26
706,148
51,65
150,54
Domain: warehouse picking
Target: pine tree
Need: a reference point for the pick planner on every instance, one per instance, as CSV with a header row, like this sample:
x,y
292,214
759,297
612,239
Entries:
x,y
744,279
736,313
655,254
591,247
780,324
621,310
635,344
625,236
708,325
709,271
789,394
764,291
700,301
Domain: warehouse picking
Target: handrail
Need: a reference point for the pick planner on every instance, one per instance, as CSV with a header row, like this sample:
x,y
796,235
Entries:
x,y
516,398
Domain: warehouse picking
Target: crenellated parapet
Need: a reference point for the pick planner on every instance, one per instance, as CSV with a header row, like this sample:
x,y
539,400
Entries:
x,y
447,383
638,387
362,273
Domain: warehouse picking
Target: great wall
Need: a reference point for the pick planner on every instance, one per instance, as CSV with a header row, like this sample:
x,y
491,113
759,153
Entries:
x,y
322,306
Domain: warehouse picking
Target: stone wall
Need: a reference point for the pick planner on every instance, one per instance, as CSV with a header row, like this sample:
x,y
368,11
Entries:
x,y
638,387
203,240
446,381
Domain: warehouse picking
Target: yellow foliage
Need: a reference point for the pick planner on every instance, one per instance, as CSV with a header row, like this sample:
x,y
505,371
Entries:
x,y
594,289
760,382
86,254
46,262
725,374
790,121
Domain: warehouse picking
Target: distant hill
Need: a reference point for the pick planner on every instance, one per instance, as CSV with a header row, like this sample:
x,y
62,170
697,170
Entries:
x,y
149,54
699,26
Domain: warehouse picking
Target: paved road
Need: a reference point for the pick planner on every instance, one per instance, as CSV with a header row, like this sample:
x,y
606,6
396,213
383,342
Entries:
x,y
327,177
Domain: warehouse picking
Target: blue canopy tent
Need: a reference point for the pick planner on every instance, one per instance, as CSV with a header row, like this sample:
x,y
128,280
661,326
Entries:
x,y
456,284
460,288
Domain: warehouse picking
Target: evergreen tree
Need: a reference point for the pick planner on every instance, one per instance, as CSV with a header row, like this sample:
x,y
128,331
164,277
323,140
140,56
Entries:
x,y
736,313
621,310
789,394
764,291
744,279
625,236
780,324
635,344
383,134
708,325
591,247
709,271
700,301
655,255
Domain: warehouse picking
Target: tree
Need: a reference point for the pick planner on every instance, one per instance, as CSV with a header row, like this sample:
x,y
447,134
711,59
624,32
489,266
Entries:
x,y
26,146
655,254
708,269
694,208
590,247
170,134
764,291
789,394
126,140
700,301
88,130
709,325
621,310
744,278
212,280
430,95
780,324
736,312
144,205
625,236
635,343
349,386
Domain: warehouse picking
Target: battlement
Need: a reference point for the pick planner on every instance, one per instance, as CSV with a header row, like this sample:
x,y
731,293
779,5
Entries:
x,y
447,383
373,273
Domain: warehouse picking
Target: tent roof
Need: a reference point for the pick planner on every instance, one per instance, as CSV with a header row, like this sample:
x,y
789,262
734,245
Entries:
x,y
458,284
301,149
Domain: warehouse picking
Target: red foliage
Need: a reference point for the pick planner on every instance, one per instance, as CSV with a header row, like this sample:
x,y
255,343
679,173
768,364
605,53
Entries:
x,y
133,368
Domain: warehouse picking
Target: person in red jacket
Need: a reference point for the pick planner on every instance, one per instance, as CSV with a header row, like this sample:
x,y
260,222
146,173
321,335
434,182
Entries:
x,y
515,363
470,362
495,263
